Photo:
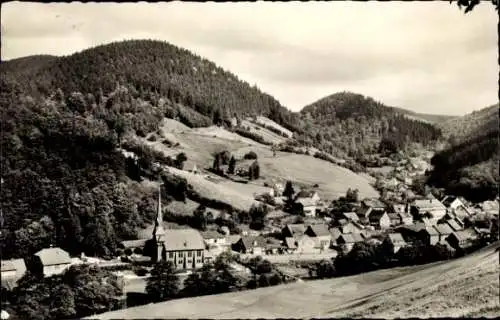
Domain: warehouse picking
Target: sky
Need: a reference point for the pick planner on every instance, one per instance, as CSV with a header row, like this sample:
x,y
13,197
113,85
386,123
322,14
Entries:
x,y
427,57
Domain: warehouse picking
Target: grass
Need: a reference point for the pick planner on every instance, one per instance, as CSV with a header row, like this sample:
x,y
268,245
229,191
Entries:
x,y
454,288
333,180
200,144
266,134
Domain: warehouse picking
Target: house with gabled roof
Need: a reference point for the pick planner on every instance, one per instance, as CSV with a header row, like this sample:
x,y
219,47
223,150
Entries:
x,y
351,227
351,216
432,207
308,206
453,202
395,219
347,241
50,261
395,241
455,224
251,245
308,194
321,233
293,230
462,239
212,237
301,244
11,271
379,220
429,235
335,233
444,231
185,248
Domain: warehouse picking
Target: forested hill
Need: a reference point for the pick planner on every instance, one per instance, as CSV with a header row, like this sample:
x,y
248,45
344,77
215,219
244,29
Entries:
x,y
361,124
469,167
64,182
143,67
472,124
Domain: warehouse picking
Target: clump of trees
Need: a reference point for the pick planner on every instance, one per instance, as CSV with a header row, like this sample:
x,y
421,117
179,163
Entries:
x,y
81,291
254,171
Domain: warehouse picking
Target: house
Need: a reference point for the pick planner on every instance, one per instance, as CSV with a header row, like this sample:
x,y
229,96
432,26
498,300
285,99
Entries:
x,y
302,244
251,245
308,194
278,188
308,206
273,246
293,230
185,248
406,218
462,212
321,233
429,235
462,239
395,219
379,220
51,261
347,241
433,207
398,208
444,231
490,207
351,227
395,241
351,216
335,233
370,205
11,271
213,238
455,224
453,202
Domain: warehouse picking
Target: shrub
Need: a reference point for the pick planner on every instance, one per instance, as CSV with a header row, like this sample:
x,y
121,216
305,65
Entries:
x,y
250,155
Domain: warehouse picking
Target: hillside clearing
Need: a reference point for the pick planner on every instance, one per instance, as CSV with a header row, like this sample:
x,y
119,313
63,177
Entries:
x,y
444,289
333,180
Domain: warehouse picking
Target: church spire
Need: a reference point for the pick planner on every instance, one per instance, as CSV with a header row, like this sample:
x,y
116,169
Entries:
x,y
158,228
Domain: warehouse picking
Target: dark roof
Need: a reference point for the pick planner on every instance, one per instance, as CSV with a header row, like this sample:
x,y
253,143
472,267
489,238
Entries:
x,y
447,200
253,241
319,229
375,216
305,194
53,256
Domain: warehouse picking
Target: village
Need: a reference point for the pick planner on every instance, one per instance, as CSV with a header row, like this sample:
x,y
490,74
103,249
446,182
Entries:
x,y
298,227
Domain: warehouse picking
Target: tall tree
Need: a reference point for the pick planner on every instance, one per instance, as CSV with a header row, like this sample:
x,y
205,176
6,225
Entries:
x,y
163,283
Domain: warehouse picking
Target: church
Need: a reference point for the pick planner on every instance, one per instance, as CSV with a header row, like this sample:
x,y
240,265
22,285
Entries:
x,y
185,248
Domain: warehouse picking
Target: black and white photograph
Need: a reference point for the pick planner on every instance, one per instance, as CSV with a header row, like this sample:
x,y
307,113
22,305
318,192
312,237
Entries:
x,y
249,160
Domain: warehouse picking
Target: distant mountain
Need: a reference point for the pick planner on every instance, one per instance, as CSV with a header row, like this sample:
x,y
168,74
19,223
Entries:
x,y
359,124
475,123
469,166
431,118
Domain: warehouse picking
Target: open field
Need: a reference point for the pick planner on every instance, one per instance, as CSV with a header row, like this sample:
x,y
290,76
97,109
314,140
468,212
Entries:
x,y
200,144
333,180
466,286
222,192
268,122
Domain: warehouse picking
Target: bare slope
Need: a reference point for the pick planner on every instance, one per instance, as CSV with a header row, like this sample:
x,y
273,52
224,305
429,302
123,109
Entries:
x,y
467,286
202,143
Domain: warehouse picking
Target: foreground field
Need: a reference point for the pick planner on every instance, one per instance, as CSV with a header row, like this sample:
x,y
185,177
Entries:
x,y
463,287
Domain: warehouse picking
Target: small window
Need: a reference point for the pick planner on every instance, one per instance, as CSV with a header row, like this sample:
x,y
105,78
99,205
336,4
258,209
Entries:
x,y
181,254
171,255
198,253
179,262
190,254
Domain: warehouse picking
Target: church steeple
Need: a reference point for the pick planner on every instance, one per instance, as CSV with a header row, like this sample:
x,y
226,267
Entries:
x,y
158,230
